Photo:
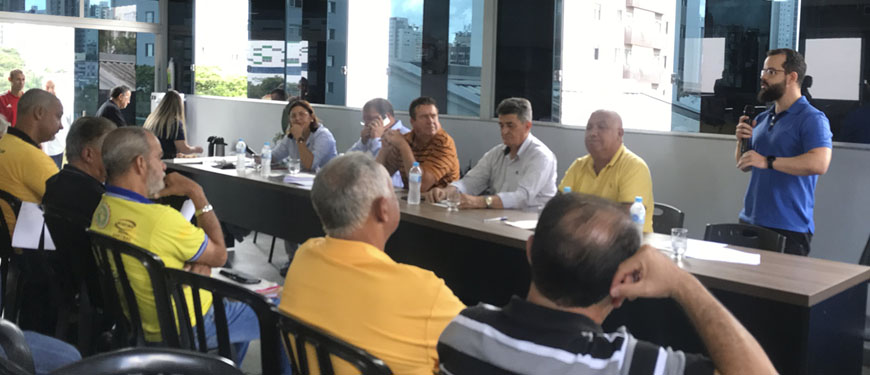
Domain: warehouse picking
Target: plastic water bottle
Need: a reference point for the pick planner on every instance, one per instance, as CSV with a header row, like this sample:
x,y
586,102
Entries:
x,y
240,157
415,178
566,189
266,160
638,213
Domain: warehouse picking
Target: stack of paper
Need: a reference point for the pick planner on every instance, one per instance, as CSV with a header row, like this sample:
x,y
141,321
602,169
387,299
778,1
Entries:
x,y
306,180
712,251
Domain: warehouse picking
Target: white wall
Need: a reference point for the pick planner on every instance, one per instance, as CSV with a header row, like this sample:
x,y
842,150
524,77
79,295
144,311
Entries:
x,y
694,172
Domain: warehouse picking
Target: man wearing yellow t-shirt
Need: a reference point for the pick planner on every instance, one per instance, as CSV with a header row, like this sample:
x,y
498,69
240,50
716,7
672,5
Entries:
x,y
134,171
610,170
23,166
346,284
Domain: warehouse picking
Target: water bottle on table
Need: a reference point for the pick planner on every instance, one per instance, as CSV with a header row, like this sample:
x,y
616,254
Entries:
x,y
415,178
638,213
240,157
266,160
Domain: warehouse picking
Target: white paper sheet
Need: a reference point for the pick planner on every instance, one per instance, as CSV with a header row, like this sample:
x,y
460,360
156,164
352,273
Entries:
x,y
191,160
301,179
712,251
29,225
523,224
188,210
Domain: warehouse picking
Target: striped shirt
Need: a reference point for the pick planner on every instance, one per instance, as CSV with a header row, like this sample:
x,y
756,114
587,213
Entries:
x,y
437,158
526,338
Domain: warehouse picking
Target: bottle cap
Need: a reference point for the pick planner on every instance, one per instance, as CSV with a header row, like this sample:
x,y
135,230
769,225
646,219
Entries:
x,y
266,144
638,199
566,189
416,164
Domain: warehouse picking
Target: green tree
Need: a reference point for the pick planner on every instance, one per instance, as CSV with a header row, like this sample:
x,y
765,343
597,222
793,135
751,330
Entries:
x,y
10,60
118,42
265,87
210,80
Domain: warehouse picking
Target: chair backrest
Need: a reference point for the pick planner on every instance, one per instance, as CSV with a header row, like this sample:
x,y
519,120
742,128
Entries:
x,y
71,239
15,346
9,367
666,217
299,336
151,360
5,239
745,235
179,280
6,245
865,256
118,295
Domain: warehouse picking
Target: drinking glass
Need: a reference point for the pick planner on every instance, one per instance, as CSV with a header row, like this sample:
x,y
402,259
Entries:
x,y
453,199
294,166
679,241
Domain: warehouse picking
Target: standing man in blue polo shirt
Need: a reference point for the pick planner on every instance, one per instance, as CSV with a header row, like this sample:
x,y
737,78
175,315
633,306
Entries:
x,y
790,148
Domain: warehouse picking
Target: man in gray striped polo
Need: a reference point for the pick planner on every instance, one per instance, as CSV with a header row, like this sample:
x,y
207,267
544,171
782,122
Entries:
x,y
585,262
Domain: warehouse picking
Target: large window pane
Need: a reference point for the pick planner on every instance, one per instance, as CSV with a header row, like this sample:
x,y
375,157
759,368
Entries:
x,y
124,10
625,67
52,7
405,51
466,50
833,38
221,40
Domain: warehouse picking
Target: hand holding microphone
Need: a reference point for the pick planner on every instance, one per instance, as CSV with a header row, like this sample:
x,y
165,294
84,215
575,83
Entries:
x,y
744,128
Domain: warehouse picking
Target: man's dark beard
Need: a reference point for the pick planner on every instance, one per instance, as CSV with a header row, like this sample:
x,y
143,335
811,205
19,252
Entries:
x,y
772,93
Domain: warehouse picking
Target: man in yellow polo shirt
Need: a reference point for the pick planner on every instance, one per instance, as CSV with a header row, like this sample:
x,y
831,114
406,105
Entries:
x,y
134,171
346,284
610,170
23,166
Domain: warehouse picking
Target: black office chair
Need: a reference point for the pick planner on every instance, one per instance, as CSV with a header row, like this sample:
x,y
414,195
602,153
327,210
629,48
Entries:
x,y
666,217
15,346
298,335
83,285
118,296
178,280
151,361
745,235
6,251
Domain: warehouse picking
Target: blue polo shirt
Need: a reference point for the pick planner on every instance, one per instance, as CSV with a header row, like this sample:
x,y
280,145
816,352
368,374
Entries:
x,y
779,200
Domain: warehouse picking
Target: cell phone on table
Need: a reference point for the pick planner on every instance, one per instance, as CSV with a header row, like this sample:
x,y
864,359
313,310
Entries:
x,y
239,276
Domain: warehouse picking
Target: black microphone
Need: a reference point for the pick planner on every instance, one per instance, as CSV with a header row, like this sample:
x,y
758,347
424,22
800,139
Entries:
x,y
745,143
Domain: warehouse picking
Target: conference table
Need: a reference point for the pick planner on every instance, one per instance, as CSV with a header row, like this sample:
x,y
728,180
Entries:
x,y
808,314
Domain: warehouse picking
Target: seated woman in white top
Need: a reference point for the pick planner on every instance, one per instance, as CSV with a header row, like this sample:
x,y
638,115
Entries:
x,y
306,138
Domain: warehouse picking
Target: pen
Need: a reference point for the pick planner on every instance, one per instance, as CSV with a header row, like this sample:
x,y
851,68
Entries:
x,y
500,218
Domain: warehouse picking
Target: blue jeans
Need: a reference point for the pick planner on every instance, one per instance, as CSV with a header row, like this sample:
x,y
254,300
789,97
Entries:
x,y
48,352
242,324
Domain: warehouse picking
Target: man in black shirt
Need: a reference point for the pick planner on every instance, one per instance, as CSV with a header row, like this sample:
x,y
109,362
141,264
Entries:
x,y
78,187
119,97
585,262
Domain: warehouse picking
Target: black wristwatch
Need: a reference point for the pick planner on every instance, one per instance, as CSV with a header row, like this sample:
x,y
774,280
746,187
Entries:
x,y
770,160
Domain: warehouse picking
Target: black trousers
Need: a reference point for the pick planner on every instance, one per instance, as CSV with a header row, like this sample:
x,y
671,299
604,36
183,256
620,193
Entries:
x,y
796,243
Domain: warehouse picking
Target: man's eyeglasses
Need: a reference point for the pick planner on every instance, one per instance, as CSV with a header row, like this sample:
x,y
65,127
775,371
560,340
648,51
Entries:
x,y
770,71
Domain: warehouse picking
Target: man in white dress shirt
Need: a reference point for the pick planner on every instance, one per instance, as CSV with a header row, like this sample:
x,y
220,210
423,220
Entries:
x,y
378,117
517,174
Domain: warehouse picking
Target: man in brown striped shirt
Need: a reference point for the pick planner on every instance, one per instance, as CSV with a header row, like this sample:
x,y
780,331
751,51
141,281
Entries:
x,y
427,143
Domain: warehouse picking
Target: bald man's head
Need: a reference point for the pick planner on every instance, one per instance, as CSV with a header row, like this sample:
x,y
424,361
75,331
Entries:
x,y
39,114
603,135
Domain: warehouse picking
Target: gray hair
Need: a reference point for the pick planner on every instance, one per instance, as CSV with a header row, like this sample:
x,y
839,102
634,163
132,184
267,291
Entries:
x,y
516,106
33,99
86,131
345,189
121,147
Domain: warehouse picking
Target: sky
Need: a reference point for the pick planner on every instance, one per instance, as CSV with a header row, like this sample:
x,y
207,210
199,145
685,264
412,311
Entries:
x,y
460,13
